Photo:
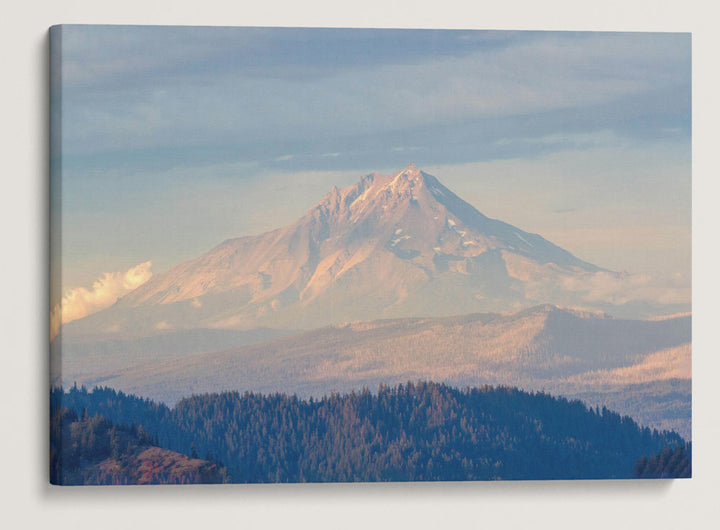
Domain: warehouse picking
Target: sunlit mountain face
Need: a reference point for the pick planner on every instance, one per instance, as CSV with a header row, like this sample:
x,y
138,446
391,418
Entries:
x,y
399,245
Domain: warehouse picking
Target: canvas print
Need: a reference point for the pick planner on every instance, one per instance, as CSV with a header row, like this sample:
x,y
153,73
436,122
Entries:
x,y
338,255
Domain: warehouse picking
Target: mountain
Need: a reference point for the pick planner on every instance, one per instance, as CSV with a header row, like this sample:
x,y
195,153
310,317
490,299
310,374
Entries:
x,y
544,348
389,246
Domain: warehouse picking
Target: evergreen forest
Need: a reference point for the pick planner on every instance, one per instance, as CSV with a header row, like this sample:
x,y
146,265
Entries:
x,y
416,431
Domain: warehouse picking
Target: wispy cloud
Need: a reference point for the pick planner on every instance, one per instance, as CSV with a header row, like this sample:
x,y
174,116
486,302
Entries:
x,y
618,289
601,138
197,88
81,302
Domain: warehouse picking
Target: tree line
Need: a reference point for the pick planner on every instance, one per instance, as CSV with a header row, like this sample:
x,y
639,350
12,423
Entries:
x,y
413,431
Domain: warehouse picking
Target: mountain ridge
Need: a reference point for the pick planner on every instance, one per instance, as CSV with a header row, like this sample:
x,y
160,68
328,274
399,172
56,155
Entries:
x,y
396,245
533,349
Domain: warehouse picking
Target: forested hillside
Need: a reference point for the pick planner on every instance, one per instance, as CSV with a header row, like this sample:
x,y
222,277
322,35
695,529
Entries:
x,y
421,431
89,450
669,463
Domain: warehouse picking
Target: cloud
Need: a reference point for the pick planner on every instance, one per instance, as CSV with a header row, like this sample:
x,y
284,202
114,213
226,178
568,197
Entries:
x,y
600,138
618,289
81,302
197,88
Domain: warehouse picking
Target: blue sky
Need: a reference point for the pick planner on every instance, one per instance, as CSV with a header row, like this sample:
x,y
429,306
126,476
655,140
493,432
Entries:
x,y
176,138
